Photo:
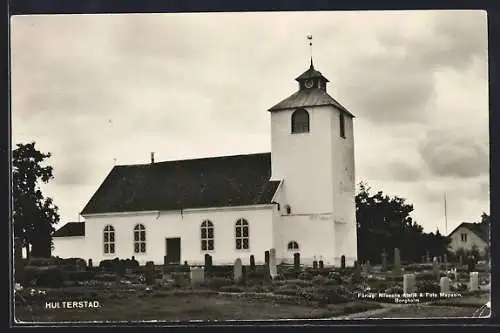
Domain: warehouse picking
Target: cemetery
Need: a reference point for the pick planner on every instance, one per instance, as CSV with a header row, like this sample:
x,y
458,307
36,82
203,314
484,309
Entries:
x,y
49,290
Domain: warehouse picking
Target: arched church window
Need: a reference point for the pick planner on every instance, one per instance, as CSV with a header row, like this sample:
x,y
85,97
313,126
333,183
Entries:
x,y
109,240
207,236
140,239
242,234
300,121
293,245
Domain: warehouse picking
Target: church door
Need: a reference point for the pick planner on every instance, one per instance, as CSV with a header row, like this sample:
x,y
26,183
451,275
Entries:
x,y
173,250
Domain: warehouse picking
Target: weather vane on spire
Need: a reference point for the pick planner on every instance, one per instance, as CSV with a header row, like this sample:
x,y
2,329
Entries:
x,y
309,38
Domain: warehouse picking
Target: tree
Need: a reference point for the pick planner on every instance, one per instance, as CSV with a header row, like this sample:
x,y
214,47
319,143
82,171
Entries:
x,y
384,223
33,214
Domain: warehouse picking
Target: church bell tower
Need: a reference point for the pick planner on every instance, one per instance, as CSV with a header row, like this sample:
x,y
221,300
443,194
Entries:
x,y
312,153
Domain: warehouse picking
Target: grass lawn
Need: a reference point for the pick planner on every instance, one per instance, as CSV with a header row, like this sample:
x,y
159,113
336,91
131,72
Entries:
x,y
426,311
182,307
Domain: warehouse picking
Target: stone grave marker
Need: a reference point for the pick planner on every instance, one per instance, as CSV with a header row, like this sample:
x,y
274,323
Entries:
x,y
315,264
273,270
435,267
473,281
397,261
252,263
266,258
237,270
90,264
197,275
150,272
444,284
384,262
296,263
342,262
357,272
321,264
409,284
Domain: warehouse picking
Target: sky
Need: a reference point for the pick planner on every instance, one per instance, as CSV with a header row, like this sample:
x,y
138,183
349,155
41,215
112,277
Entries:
x,y
100,90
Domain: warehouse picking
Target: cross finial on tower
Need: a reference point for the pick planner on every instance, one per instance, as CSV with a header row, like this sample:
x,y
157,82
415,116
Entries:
x,y
309,38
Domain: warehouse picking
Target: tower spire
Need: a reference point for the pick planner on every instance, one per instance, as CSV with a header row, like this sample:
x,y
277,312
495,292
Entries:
x,y
309,38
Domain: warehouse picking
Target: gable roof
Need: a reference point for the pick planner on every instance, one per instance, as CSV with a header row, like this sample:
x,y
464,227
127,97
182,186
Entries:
x,y
238,180
482,230
308,97
71,229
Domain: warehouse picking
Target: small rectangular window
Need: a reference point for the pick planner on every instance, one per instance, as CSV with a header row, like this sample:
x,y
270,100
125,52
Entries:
x,y
203,245
136,247
111,248
245,243
143,247
106,248
210,244
238,244
342,124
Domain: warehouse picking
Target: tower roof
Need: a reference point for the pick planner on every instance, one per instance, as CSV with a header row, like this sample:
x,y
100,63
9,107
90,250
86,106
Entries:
x,y
311,73
308,98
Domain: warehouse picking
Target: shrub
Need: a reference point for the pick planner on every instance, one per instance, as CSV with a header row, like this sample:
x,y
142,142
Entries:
x,y
77,264
106,277
319,280
305,276
44,276
52,261
428,287
218,282
232,289
81,276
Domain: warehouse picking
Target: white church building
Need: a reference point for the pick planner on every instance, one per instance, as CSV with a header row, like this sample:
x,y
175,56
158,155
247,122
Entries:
x,y
297,198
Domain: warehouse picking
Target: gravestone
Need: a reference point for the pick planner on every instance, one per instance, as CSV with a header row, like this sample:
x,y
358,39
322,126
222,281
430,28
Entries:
x,y
266,258
252,263
315,264
368,267
409,284
237,270
208,263
296,263
356,277
471,264
397,261
273,270
473,281
91,265
444,284
321,264
435,267
384,261
165,260
150,272
197,275
342,262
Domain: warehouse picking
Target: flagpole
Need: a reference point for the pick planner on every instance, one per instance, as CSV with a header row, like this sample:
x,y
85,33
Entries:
x,y
445,216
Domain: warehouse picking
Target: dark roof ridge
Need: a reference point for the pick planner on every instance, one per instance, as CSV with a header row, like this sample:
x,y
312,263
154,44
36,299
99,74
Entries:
x,y
194,159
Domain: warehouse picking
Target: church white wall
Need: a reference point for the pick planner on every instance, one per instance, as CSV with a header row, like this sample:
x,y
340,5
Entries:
x,y
185,225
318,175
304,161
344,187
315,236
68,247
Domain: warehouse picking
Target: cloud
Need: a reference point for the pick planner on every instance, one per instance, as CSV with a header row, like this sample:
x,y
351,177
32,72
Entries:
x,y
454,154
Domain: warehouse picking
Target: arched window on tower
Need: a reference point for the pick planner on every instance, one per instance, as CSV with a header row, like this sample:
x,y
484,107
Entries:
x,y
293,245
300,121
